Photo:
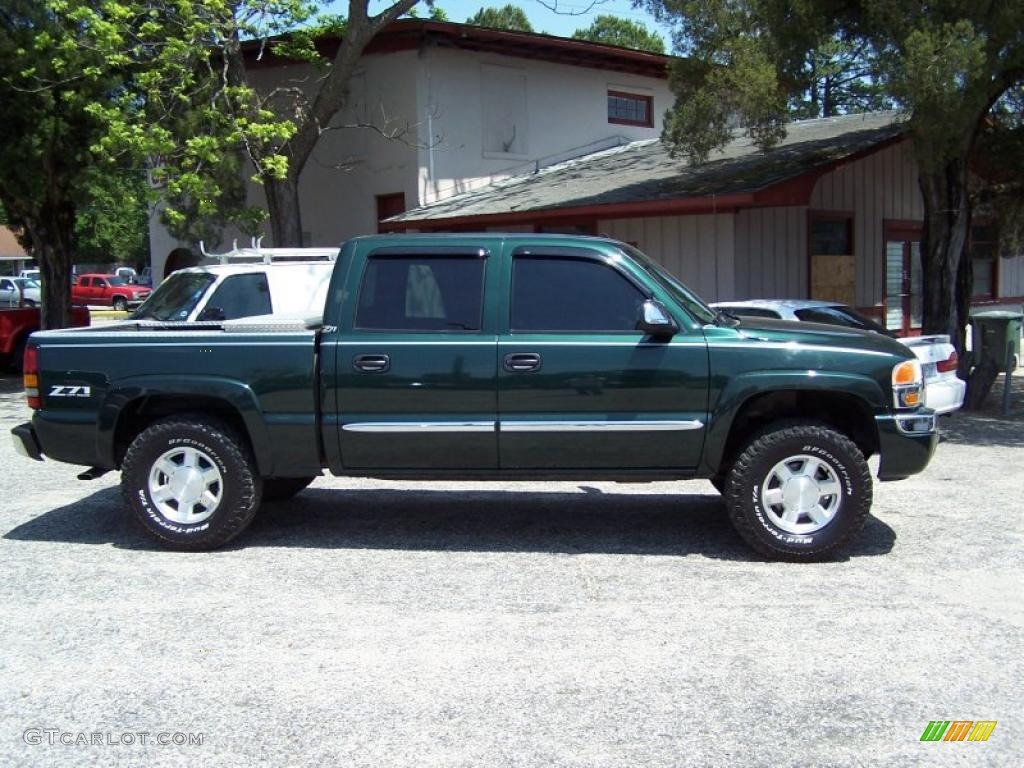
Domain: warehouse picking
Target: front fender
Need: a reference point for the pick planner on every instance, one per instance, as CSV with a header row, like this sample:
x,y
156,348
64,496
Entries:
x,y
236,394
740,388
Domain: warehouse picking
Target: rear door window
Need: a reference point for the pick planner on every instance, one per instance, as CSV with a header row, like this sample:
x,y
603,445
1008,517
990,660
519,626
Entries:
x,y
421,293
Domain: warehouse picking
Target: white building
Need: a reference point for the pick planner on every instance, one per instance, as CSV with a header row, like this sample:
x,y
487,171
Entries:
x,y
472,106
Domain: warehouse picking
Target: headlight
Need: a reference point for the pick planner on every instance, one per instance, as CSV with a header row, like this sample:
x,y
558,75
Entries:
x,y
906,384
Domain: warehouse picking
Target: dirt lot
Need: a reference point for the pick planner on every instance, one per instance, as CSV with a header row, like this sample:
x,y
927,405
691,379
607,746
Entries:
x,y
535,624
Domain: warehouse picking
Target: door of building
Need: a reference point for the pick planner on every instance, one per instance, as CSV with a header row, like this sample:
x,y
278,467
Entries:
x,y
904,284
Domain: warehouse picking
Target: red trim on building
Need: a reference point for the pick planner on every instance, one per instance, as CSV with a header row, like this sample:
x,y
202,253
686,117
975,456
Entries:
x,y
686,205
412,34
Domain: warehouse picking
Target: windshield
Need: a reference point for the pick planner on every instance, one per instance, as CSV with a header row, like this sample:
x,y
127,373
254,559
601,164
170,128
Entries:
x,y
115,280
24,282
690,301
839,315
176,297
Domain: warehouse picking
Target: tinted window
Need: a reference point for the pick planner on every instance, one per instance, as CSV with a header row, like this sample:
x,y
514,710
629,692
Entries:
x,y
421,293
239,296
6,285
838,315
831,237
552,294
751,312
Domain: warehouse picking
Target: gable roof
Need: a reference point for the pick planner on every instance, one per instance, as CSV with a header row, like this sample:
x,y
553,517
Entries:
x,y
413,34
641,177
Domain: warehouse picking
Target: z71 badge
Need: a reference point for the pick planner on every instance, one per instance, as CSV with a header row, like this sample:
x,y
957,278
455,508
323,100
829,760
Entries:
x,y
70,391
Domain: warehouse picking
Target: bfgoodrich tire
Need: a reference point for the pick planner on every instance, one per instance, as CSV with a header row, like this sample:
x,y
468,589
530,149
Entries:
x,y
191,482
799,492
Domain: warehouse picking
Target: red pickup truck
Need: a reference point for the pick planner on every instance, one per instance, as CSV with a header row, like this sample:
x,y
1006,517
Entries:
x,y
16,325
108,291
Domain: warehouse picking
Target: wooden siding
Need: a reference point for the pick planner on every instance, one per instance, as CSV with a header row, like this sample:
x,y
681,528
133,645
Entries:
x,y
1011,277
771,253
878,187
698,249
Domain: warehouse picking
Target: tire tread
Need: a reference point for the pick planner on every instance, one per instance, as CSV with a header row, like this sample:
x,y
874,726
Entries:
x,y
764,441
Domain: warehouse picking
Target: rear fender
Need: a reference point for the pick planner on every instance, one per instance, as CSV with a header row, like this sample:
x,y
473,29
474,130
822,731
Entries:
x,y
236,395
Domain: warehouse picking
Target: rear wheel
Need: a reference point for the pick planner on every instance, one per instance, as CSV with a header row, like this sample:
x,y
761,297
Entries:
x,y
799,492
120,303
281,488
191,482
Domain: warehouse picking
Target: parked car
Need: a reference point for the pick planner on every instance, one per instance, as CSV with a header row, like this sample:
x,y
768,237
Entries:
x,y
229,291
486,356
31,274
944,390
16,325
107,291
19,291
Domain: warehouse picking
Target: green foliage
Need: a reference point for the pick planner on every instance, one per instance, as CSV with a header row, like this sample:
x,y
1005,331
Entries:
x,y
838,80
113,225
510,17
765,61
614,30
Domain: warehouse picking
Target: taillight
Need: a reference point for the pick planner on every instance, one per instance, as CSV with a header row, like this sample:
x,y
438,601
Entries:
x,y
30,369
951,364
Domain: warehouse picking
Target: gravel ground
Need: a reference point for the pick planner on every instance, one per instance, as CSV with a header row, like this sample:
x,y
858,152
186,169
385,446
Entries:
x,y
536,624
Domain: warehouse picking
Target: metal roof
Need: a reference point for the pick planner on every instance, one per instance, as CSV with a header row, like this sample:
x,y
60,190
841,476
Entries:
x,y
643,171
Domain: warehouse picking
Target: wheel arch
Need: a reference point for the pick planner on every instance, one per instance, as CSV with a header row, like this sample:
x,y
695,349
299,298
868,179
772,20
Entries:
x,y
131,406
846,403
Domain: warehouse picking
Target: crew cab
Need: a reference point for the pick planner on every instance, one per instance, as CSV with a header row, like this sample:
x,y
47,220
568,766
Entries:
x,y
16,325
99,290
469,357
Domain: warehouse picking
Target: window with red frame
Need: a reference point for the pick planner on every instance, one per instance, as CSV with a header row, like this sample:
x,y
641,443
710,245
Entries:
x,y
630,109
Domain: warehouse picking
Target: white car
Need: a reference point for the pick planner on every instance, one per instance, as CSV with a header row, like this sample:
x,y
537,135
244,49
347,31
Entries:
x,y
944,390
16,291
229,291
31,274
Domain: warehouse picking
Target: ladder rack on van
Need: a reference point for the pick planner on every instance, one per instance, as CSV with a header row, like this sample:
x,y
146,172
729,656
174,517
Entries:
x,y
256,252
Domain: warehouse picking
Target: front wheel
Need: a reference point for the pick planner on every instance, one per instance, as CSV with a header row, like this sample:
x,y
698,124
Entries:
x,y
799,492
191,482
120,303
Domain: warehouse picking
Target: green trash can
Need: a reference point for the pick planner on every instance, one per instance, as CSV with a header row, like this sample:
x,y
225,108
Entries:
x,y
995,335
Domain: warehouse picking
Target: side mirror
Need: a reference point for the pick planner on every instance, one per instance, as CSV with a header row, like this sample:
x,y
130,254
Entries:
x,y
655,320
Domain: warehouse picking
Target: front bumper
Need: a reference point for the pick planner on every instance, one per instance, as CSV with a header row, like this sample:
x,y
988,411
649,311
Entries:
x,y
906,443
26,443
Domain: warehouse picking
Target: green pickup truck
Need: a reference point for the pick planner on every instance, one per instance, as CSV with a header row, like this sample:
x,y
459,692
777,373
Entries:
x,y
485,356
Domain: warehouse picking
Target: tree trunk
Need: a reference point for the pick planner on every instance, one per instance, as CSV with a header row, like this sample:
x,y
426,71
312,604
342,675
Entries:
x,y
285,213
52,237
944,190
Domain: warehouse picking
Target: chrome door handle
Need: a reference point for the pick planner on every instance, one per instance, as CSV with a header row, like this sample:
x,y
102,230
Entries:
x,y
371,363
522,362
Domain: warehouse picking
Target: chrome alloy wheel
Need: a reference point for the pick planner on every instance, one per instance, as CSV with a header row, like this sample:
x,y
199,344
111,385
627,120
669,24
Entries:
x,y
185,485
801,494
